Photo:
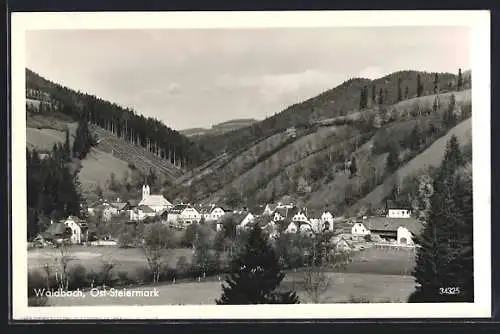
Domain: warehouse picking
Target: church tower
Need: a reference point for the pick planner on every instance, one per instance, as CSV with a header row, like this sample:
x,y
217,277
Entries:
x,y
145,191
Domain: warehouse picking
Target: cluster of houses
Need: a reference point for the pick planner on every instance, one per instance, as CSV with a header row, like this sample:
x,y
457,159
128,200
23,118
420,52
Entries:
x,y
396,225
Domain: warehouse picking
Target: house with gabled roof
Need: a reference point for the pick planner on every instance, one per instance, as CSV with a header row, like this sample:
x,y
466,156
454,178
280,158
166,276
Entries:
x,y
121,206
300,216
217,212
57,232
327,220
269,209
141,212
183,215
78,228
243,219
397,210
402,230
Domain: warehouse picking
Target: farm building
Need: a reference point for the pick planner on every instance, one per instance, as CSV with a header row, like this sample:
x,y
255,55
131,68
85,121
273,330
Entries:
x,y
401,230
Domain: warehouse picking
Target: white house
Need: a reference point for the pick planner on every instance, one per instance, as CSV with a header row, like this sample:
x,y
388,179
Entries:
x,y
404,236
393,210
216,213
300,217
243,219
399,230
342,245
359,229
269,209
156,202
109,211
327,220
78,229
141,212
183,214
299,226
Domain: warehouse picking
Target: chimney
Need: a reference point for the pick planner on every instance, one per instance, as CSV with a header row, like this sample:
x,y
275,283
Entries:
x,y
118,200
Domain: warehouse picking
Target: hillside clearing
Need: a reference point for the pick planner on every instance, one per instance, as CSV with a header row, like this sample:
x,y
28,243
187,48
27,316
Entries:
x,y
97,167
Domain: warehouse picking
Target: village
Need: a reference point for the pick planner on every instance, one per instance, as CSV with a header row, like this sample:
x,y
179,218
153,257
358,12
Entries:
x,y
394,227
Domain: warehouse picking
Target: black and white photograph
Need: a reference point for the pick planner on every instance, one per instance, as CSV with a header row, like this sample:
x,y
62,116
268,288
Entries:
x,y
189,165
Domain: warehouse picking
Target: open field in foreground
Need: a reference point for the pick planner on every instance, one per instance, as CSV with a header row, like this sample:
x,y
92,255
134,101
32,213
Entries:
x,y
377,275
376,288
125,259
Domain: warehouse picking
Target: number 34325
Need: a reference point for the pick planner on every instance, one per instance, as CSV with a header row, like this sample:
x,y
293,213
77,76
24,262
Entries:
x,y
449,291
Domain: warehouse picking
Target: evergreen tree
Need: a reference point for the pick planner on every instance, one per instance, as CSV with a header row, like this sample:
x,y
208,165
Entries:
x,y
392,162
435,105
67,150
399,90
386,95
374,93
353,168
406,92
380,97
445,258
449,118
363,99
419,86
256,275
459,80
415,138
436,81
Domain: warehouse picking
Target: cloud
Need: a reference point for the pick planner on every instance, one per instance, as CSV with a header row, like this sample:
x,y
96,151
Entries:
x,y
272,86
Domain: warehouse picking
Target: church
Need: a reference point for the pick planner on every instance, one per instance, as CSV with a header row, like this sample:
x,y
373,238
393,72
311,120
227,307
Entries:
x,y
156,202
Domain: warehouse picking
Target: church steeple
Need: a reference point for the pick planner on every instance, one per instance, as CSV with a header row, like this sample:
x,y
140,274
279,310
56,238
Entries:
x,y
145,191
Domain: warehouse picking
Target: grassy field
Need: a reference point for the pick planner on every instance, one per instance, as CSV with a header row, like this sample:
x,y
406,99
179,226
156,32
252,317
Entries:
x,y
377,275
126,259
344,287
92,173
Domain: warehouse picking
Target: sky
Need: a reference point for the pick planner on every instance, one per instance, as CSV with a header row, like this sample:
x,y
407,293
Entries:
x,y
200,77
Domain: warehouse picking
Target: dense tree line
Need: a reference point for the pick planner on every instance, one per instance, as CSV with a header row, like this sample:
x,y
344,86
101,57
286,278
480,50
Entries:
x,y
444,267
52,187
150,133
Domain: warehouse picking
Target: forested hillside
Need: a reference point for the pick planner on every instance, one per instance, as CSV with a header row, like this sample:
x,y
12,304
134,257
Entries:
x,y
335,161
339,101
125,123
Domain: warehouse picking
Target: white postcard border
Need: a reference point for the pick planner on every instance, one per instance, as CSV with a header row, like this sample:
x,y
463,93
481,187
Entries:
x,y
478,21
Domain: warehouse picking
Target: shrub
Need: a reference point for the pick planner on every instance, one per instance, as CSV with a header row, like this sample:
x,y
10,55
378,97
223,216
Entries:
x,y
36,281
182,265
143,274
78,277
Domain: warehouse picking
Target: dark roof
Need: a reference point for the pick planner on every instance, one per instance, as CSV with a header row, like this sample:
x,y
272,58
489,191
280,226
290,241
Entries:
x,y
120,205
272,207
262,221
55,229
238,217
390,204
145,208
179,208
392,224
133,202
283,212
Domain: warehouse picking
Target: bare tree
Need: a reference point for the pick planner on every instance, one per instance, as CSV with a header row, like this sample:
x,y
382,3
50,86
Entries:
x,y
316,281
62,259
322,259
154,246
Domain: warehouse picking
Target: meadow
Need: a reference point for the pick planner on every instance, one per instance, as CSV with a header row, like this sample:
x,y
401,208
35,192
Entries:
x,y
375,275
